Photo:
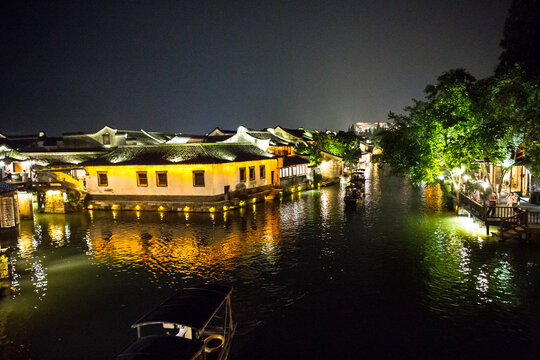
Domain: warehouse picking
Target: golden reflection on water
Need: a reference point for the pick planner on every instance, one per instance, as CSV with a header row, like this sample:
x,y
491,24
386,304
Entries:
x,y
184,251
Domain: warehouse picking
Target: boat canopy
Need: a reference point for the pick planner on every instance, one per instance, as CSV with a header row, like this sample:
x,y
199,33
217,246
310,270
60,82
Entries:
x,y
193,307
162,347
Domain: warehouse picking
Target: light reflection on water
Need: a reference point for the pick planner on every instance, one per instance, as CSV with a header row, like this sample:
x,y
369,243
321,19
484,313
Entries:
x,y
398,261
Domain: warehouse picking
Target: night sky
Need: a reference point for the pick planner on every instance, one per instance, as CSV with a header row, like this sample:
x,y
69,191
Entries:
x,y
189,66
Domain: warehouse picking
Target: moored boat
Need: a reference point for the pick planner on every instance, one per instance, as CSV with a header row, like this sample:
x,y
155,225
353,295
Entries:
x,y
194,324
353,194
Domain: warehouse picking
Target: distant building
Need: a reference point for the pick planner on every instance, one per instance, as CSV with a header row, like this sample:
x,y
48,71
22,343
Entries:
x,y
363,127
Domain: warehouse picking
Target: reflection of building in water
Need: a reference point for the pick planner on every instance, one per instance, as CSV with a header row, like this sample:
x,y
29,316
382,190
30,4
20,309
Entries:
x,y
210,251
433,197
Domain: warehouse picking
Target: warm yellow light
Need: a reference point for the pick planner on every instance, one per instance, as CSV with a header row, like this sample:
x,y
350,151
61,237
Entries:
x,y
212,209
161,208
186,208
299,188
53,192
138,207
90,207
325,165
114,213
254,200
242,203
115,207
225,208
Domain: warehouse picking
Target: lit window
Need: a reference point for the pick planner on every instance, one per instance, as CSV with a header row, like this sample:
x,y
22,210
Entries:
x,y
262,172
106,139
102,178
242,174
142,178
198,178
161,178
252,173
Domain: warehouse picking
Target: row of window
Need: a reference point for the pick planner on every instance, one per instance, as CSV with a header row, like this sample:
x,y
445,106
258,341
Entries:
x,y
198,177
142,178
262,173
293,171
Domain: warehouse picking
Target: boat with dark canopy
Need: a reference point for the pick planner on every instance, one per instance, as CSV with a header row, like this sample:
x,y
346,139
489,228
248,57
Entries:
x,y
354,193
194,324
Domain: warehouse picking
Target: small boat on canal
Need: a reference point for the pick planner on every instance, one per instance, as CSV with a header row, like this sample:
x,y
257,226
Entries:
x,y
354,193
358,177
194,324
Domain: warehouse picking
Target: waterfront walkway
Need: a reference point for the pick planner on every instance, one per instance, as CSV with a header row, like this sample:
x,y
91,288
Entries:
x,y
525,222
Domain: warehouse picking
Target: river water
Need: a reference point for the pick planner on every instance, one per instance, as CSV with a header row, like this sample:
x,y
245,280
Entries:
x,y
397,277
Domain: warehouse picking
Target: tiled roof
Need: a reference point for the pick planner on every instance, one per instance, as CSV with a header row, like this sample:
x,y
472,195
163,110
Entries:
x,y
294,160
198,153
264,135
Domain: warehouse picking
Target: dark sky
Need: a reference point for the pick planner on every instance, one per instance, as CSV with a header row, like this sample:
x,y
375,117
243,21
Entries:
x,y
189,66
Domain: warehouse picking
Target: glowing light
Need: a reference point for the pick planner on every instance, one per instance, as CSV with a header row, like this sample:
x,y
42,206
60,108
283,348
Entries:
x,y
186,209
138,207
508,162
114,214
53,192
242,203
161,208
325,165
138,215
299,188
115,207
212,209
225,208
254,200
90,207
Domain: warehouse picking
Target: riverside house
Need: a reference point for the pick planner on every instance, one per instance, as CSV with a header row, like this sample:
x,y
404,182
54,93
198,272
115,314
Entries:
x,y
179,177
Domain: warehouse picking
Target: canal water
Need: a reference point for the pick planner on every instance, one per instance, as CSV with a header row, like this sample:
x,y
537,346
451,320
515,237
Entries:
x,y
397,277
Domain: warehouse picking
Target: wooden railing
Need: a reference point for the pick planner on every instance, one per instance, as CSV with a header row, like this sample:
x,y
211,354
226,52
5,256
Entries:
x,y
534,217
521,218
476,208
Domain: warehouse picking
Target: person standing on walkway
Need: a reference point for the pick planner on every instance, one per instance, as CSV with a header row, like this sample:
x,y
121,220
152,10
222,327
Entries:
x,y
515,203
492,203
510,199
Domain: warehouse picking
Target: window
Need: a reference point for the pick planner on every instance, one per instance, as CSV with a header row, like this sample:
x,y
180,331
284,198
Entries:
x,y
252,173
198,178
106,139
161,178
102,178
242,174
142,178
262,172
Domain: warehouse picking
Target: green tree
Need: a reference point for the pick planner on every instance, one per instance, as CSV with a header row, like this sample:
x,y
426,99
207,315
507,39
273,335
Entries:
x,y
437,136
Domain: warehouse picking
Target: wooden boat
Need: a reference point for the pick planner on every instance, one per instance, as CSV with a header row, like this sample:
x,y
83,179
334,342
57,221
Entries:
x,y
353,194
358,177
194,324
